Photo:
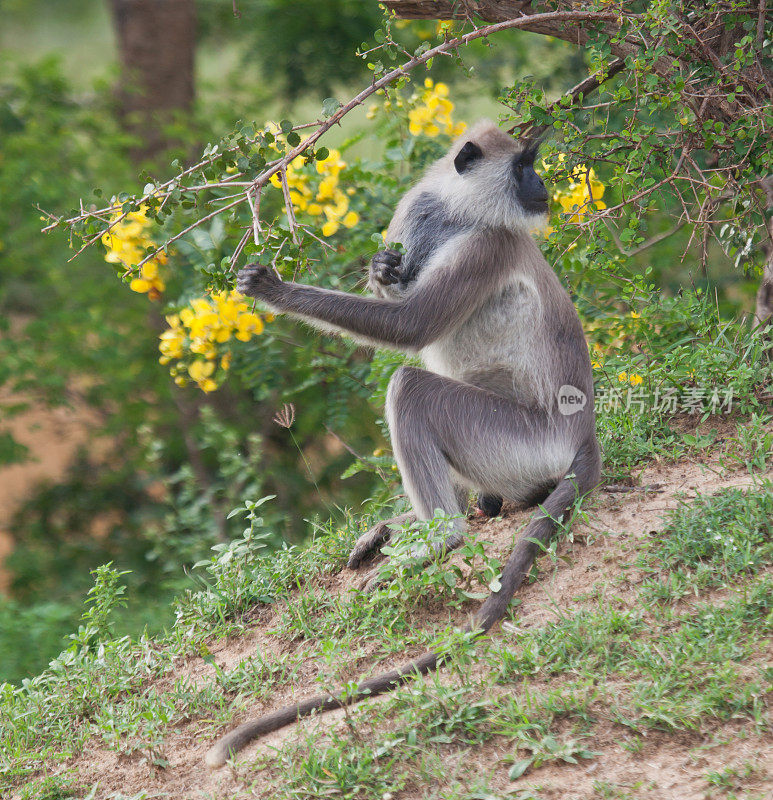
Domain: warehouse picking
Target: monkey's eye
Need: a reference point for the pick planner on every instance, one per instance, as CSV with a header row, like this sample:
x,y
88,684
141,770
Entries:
x,y
468,155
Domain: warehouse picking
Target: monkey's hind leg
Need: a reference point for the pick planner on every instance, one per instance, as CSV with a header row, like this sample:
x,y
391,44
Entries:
x,y
427,476
373,538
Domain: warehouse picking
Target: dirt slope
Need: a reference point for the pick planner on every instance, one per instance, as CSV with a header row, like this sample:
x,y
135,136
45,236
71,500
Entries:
x,y
665,766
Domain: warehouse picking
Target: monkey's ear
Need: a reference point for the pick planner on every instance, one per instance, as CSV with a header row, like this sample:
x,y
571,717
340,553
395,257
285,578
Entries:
x,y
466,156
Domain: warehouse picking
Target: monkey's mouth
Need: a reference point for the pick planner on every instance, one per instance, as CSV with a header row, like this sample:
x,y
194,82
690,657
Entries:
x,y
536,207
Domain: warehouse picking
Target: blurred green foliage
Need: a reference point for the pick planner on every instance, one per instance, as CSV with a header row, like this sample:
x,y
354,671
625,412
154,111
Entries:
x,y
177,461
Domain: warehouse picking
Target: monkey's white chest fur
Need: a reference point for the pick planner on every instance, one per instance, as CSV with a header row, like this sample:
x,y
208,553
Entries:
x,y
494,348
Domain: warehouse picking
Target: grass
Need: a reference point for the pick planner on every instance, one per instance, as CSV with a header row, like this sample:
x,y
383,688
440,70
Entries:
x,y
710,542
683,655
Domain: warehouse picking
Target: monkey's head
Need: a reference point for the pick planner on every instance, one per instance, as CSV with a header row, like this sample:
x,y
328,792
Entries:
x,y
489,177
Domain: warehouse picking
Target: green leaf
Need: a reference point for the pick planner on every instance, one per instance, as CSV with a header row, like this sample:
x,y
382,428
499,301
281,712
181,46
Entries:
x,y
329,106
519,768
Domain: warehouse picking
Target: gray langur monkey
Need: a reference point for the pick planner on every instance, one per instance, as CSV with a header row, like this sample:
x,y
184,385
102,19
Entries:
x,y
505,404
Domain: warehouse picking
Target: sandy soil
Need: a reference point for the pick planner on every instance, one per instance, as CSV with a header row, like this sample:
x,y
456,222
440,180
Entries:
x,y
667,767
53,436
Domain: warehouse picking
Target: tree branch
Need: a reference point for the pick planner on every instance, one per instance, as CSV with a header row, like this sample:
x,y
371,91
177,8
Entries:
x,y
590,84
522,22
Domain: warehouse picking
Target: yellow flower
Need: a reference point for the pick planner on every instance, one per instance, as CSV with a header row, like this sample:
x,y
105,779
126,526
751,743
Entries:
x,y
330,227
203,347
584,189
247,326
431,113
201,328
199,370
140,285
327,199
126,243
171,344
327,187
634,378
331,165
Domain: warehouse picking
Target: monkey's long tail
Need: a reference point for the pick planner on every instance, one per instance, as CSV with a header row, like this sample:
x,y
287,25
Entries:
x,y
582,477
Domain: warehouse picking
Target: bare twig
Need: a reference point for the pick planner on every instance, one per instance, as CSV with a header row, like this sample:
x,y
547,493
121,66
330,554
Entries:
x,y
255,209
239,248
651,242
289,205
165,189
584,88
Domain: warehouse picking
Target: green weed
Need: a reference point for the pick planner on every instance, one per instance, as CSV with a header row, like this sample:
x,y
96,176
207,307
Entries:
x,y
711,541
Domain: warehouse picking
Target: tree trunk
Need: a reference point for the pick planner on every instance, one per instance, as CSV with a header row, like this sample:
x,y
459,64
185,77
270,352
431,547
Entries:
x,y
156,40
764,312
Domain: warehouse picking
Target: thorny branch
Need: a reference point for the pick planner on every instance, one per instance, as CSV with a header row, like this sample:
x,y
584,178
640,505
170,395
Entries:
x,y
590,84
280,165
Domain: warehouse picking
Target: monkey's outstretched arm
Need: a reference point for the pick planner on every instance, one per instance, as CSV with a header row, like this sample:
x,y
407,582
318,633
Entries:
x,y
445,299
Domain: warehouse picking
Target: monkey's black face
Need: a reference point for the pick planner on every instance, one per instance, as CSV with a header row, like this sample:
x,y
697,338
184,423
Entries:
x,y
531,191
529,187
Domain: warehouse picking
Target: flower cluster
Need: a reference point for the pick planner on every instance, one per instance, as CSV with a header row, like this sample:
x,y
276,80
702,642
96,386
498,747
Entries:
x,y
633,378
327,199
584,190
610,334
200,329
431,112
127,243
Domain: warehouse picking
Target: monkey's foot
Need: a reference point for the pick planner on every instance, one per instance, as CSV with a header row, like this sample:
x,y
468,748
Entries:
x,y
488,505
375,537
418,558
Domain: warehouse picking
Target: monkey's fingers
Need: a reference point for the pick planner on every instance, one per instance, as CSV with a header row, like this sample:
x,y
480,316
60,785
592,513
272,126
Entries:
x,y
375,537
385,274
385,266
389,256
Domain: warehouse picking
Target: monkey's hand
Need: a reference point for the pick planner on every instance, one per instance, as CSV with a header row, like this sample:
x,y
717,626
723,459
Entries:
x,y
385,267
255,280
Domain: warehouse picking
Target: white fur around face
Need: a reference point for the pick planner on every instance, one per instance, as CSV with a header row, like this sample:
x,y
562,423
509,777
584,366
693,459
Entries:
x,y
484,195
